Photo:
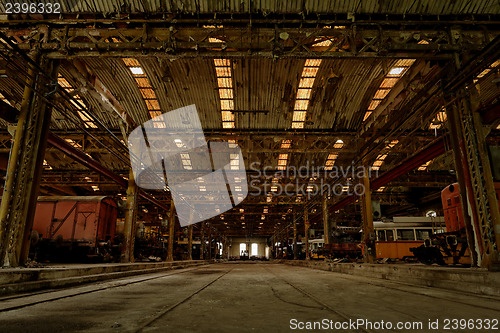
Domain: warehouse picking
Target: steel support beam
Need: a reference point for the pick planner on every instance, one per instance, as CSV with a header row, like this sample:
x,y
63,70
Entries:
x,y
190,242
356,40
306,233
295,250
130,220
326,223
430,152
171,232
479,181
25,165
369,254
203,241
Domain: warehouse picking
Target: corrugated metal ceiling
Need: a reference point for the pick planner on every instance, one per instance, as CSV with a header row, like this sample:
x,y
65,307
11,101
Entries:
x,y
425,7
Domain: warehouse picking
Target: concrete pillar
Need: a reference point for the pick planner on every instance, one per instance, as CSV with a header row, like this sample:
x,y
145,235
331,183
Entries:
x,y
25,164
190,242
127,254
306,233
326,224
368,230
171,232
295,249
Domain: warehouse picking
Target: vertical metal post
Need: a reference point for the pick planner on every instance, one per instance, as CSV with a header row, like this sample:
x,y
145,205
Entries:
x,y
203,241
295,249
209,241
326,224
171,232
481,183
130,220
25,165
463,178
306,233
368,230
190,242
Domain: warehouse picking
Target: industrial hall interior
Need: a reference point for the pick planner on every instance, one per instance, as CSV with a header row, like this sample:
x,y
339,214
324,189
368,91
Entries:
x,y
249,165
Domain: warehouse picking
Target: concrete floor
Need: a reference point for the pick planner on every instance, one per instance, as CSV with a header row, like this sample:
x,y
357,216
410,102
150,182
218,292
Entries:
x,y
249,297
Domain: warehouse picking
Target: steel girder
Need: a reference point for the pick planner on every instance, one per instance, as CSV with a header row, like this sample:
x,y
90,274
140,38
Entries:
x,y
68,39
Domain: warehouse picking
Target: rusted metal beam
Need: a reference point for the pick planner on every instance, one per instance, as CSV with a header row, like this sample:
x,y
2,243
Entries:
x,y
98,90
353,41
86,160
22,183
430,152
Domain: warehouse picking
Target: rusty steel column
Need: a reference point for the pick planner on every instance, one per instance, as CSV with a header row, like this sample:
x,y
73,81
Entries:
x,y
190,242
306,233
463,179
480,185
295,250
25,164
326,224
171,232
203,241
209,241
130,220
368,230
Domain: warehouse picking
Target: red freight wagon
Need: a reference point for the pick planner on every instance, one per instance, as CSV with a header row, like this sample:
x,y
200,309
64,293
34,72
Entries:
x,y
67,227
450,247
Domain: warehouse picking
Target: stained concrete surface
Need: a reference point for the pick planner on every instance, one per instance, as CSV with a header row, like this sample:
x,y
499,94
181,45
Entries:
x,y
246,297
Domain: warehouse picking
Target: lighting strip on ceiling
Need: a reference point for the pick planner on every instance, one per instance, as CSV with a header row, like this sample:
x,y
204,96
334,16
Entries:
x,y
439,120
223,73
395,73
381,157
2,97
424,166
77,102
330,160
304,91
146,89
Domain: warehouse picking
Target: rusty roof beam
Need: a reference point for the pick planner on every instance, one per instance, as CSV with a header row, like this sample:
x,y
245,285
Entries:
x,y
98,90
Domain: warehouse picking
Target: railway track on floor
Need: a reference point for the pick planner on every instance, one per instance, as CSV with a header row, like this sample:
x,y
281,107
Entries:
x,y
168,309
318,301
384,285
86,289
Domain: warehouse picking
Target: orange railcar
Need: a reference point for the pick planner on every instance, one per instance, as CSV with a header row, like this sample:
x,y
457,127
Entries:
x,y
67,227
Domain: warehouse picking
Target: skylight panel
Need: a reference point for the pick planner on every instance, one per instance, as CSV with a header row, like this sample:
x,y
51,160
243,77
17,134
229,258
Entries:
x,y
227,116
424,166
393,75
312,62
388,83
304,93
306,83
373,105
301,104
286,144
226,93
338,144
310,71
396,71
143,82
227,104
381,93
136,70
299,116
